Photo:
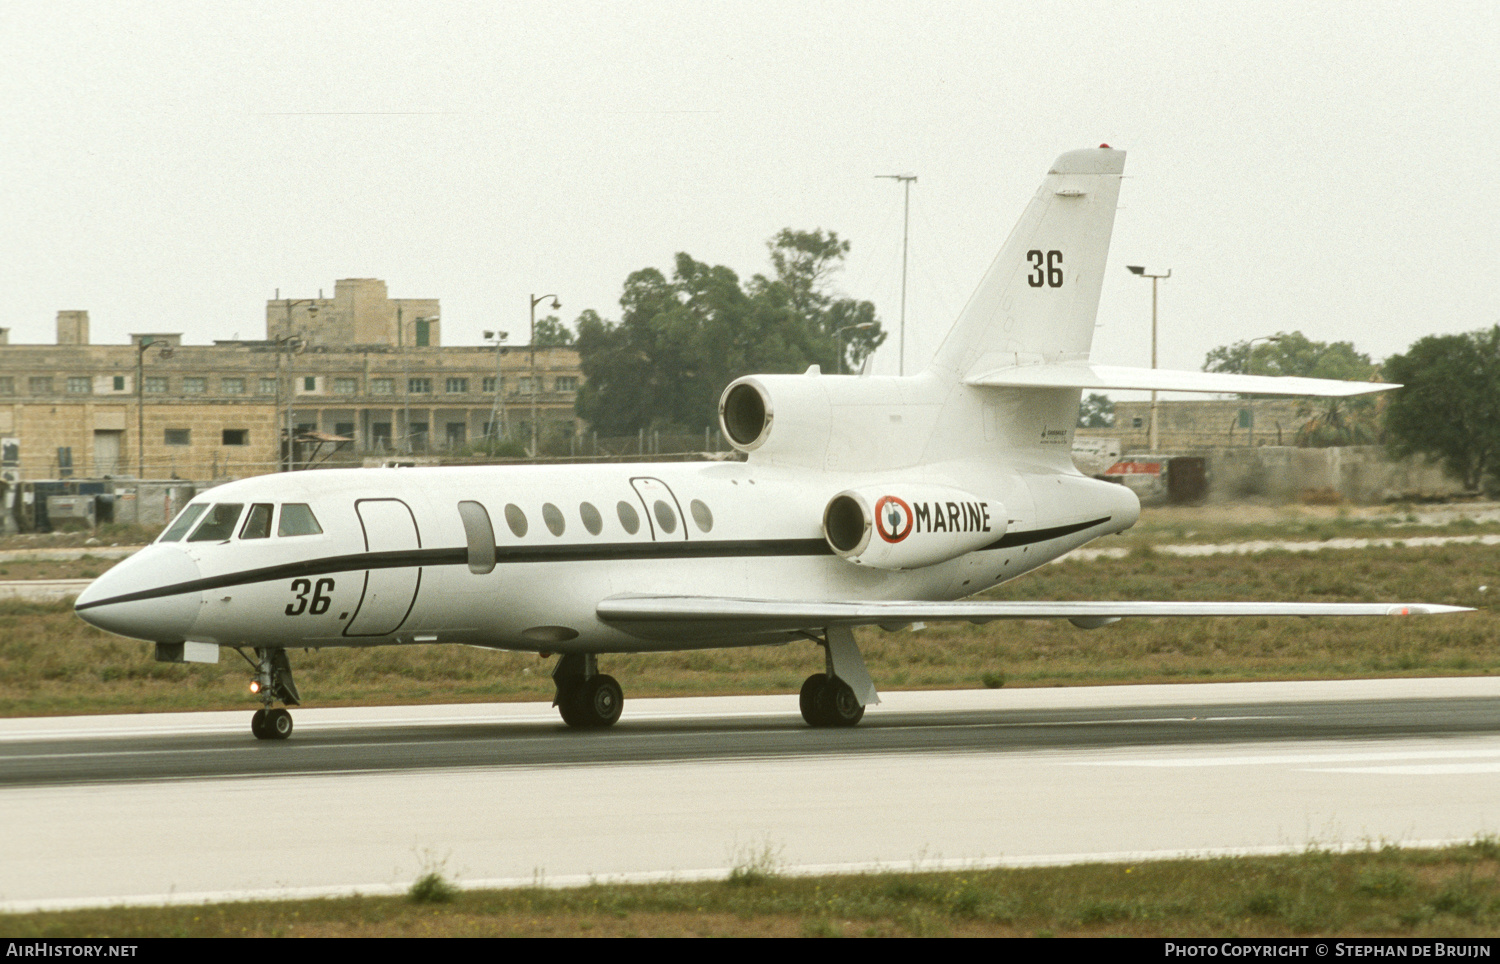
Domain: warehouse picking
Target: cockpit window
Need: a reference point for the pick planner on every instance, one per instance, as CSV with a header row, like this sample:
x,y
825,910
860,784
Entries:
x,y
185,520
298,520
218,524
257,522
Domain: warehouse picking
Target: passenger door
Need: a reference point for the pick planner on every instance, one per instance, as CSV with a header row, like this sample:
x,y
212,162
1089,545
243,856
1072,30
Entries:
x,y
392,578
663,513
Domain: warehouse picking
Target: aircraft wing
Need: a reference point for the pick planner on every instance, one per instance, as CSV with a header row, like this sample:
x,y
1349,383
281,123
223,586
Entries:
x,y
1086,376
706,617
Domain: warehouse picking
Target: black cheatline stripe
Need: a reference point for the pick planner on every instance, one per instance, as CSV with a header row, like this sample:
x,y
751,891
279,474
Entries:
x,y
1032,536
403,558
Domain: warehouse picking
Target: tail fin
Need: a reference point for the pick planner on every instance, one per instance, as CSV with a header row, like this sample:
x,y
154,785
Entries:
x,y
1038,300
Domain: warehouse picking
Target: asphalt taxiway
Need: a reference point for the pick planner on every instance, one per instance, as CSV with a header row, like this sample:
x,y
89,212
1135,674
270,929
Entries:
x,y
190,807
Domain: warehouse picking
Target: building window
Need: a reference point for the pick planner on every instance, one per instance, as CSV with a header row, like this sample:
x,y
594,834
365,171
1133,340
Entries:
x,y
1136,422
380,434
232,386
309,383
267,386
40,385
424,333
458,386
119,383
346,386
1246,418
457,434
382,386
7,385
346,429
179,436
236,436
156,385
419,386
523,385
567,383
80,385
489,384
194,386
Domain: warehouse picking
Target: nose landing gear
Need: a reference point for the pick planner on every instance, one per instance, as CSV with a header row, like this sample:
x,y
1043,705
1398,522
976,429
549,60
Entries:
x,y
273,681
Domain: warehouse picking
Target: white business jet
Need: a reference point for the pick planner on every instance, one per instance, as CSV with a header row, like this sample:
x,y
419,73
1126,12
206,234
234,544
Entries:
x,y
861,501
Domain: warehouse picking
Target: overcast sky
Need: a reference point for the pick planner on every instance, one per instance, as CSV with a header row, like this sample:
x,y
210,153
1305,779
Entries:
x,y
1317,166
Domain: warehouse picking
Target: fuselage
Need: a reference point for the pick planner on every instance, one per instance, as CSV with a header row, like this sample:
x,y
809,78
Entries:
x,y
519,557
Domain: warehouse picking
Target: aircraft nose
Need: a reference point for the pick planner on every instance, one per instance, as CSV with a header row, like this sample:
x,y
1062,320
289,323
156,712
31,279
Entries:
x,y
148,596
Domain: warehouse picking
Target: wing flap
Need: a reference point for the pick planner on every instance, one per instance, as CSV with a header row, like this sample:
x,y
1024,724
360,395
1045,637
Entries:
x,y
1084,376
704,617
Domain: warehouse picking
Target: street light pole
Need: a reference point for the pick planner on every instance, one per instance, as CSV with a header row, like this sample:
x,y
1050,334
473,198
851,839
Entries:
x,y
406,375
535,388
906,180
140,402
1136,269
287,339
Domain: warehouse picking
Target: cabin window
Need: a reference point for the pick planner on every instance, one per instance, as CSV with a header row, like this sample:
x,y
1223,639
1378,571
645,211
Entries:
x,y
701,515
258,522
481,536
628,517
665,517
592,520
553,516
184,522
516,519
218,524
298,520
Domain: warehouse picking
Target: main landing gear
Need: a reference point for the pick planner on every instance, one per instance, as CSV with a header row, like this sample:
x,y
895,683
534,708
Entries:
x,y
273,681
839,696
586,698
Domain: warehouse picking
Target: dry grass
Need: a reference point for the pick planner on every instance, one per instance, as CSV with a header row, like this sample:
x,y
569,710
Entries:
x,y
1452,893
53,663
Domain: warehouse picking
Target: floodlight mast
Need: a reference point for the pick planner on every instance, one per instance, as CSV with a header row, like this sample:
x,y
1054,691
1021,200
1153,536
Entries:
x,y
906,181
1140,271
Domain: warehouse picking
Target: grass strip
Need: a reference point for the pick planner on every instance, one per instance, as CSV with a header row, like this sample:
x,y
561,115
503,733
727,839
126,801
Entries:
x,y
1383,891
51,662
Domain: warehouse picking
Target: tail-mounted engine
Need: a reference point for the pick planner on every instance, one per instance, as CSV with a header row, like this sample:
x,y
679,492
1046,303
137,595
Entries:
x,y
910,526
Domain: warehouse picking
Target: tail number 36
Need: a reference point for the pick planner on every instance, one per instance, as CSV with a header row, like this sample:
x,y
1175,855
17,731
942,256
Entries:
x,y
315,605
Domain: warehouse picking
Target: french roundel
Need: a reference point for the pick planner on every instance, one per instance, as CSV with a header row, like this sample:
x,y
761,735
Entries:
x,y
893,518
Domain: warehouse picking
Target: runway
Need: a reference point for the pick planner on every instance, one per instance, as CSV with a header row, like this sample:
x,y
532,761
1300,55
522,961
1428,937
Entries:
x,y
188,807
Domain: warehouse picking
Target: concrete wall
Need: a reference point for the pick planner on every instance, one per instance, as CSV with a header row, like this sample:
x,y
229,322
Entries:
x,y
1360,474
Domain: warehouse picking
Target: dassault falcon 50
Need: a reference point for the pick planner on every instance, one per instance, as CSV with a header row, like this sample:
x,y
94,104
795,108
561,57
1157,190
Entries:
x,y
860,500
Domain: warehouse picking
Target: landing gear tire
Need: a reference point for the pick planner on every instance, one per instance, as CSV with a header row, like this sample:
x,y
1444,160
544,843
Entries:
x,y
271,724
829,701
278,724
842,707
807,700
594,704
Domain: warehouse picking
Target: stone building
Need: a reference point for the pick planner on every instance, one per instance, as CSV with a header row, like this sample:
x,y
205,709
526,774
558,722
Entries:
x,y
358,366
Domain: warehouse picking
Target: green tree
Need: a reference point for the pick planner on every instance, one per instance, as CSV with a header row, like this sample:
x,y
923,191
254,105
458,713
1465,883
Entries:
x,y
552,333
1096,411
1329,421
1449,406
679,341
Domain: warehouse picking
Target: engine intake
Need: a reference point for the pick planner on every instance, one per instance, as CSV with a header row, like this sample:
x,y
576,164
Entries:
x,y
910,526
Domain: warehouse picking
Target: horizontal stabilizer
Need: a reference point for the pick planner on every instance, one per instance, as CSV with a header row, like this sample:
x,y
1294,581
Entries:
x,y
1084,376
706,617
